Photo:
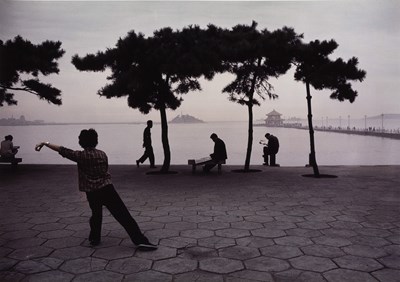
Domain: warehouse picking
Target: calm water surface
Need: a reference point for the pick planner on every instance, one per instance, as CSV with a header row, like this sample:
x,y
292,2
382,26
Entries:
x,y
123,144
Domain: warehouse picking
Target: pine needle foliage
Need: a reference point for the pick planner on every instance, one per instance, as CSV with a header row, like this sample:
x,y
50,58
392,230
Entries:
x,y
22,63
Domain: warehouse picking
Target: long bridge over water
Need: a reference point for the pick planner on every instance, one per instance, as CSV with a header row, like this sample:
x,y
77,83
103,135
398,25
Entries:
x,y
394,134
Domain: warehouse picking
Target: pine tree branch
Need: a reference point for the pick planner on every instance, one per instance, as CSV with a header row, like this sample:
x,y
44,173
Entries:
x,y
20,89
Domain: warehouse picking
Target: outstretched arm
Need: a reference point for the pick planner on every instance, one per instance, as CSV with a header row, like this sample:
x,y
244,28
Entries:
x,y
54,147
65,152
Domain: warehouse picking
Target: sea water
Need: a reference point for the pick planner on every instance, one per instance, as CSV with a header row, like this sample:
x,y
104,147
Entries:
x,y
123,144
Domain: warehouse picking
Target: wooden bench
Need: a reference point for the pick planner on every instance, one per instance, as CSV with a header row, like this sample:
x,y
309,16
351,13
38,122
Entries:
x,y
203,161
13,161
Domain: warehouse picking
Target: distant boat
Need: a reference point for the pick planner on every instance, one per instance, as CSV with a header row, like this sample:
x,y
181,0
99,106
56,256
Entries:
x,y
186,119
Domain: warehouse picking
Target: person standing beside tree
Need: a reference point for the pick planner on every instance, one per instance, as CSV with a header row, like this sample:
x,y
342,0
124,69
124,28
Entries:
x,y
271,149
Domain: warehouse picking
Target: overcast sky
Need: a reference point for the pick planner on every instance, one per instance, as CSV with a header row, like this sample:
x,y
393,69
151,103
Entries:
x,y
369,30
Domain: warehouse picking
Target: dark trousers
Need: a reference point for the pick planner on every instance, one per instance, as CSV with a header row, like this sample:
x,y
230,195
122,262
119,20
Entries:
x,y
208,166
108,197
148,153
271,155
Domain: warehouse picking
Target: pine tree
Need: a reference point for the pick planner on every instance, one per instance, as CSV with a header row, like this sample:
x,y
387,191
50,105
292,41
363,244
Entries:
x,y
315,68
21,64
254,56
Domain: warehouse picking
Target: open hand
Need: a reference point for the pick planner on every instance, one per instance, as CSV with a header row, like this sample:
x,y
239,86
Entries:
x,y
39,146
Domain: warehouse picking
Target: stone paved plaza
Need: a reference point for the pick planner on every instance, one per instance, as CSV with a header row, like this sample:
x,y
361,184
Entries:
x,y
274,225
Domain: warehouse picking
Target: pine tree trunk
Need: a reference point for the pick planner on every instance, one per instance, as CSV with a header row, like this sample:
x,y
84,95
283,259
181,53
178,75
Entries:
x,y
250,124
249,138
313,160
164,139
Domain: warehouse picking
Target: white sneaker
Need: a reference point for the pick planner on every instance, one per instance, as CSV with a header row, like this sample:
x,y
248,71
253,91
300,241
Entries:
x,y
147,247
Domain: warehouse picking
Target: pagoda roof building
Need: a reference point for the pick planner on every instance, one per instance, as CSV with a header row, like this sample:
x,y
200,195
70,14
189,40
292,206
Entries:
x,y
274,113
274,119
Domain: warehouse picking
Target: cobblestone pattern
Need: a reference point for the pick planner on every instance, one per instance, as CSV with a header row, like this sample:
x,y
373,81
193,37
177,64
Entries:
x,y
273,225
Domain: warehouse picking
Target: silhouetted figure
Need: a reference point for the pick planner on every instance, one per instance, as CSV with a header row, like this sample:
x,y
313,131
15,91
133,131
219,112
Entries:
x,y
148,148
271,149
8,150
219,153
95,181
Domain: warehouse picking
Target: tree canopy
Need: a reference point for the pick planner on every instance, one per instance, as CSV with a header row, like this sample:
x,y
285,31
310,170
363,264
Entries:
x,y
152,72
254,56
316,68
21,64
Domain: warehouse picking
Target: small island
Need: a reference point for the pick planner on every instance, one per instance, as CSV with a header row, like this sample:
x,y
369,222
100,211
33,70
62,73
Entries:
x,y
186,119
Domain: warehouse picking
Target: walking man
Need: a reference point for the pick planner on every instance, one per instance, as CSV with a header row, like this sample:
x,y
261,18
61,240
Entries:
x,y
95,181
148,148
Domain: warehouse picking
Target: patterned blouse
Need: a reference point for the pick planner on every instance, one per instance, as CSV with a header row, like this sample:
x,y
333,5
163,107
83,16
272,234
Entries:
x,y
92,168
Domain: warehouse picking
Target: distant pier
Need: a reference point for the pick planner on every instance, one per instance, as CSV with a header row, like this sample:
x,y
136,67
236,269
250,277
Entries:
x,y
393,134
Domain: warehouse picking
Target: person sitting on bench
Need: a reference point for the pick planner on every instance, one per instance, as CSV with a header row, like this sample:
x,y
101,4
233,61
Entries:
x,y
8,150
271,149
219,153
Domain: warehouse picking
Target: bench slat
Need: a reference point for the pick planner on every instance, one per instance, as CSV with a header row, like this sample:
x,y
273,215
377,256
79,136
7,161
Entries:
x,y
205,160
11,160
199,161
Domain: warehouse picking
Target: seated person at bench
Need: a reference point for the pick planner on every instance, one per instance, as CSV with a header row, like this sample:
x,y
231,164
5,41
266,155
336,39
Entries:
x,y
8,150
218,155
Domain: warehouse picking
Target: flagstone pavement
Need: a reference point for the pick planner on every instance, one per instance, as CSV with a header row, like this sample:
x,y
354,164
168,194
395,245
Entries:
x,y
273,225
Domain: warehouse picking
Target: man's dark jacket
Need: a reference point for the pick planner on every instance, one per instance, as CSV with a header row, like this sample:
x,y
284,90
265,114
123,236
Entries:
x,y
273,144
219,151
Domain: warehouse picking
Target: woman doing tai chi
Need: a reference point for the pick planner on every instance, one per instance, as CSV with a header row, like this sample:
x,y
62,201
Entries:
x,y
95,181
